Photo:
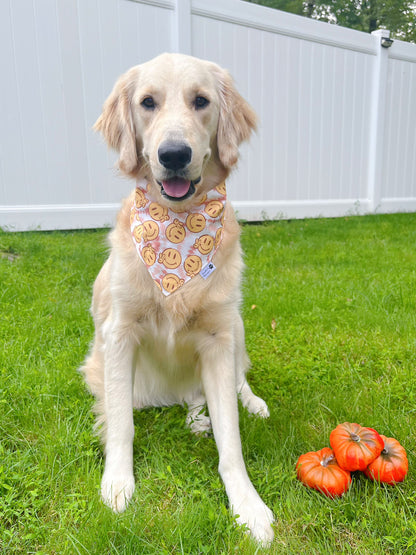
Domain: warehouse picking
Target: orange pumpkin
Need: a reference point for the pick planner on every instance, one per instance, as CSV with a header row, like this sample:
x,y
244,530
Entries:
x,y
391,465
355,447
319,470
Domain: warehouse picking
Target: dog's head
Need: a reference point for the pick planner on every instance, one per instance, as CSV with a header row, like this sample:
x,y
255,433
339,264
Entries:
x,y
176,121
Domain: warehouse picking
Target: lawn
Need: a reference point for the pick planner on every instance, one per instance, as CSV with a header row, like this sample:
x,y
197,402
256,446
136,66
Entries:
x,y
330,314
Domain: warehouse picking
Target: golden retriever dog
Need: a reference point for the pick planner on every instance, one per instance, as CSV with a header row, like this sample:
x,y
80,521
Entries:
x,y
166,302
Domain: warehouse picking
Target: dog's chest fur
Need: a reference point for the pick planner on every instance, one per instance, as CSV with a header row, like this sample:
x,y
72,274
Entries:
x,y
169,330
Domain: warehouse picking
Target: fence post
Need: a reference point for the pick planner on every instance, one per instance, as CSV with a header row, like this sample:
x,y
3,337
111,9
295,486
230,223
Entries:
x,y
377,117
182,31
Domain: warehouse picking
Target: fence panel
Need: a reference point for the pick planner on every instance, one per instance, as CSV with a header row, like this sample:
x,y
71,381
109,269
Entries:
x,y
337,115
313,94
398,186
61,60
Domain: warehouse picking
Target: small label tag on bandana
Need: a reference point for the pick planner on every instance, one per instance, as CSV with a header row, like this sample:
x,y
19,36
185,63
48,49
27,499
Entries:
x,y
207,270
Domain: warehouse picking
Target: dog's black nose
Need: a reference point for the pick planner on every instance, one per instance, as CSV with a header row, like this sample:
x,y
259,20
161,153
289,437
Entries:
x,y
174,156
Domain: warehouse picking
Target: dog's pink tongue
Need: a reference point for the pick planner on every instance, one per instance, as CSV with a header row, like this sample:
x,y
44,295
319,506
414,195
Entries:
x,y
176,187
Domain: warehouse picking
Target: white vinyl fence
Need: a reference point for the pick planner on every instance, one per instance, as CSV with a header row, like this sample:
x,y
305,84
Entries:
x,y
337,110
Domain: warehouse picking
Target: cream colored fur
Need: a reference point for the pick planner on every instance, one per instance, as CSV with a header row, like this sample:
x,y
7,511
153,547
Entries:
x,y
188,348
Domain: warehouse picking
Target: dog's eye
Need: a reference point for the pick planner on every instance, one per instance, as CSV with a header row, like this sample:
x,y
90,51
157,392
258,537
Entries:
x,y
148,103
201,102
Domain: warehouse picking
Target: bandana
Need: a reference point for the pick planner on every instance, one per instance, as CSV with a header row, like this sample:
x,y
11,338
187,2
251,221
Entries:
x,y
177,246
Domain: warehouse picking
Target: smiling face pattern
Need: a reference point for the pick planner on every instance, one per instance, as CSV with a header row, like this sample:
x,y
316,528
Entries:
x,y
158,212
193,265
195,222
176,232
139,199
204,244
175,246
170,258
171,282
150,231
149,255
214,208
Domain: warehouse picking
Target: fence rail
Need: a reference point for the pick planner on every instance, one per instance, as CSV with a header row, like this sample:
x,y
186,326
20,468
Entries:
x,y
337,110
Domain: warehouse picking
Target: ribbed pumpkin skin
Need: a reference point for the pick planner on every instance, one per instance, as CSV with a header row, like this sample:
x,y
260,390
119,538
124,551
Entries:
x,y
355,447
391,465
319,470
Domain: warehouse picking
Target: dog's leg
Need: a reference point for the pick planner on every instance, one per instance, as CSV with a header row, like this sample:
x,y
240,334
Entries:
x,y
117,484
218,378
254,405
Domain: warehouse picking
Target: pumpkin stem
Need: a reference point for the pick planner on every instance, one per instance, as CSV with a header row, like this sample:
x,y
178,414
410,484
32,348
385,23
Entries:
x,y
327,460
354,437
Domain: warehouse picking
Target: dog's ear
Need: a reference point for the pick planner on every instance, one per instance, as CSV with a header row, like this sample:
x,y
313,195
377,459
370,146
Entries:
x,y
116,123
236,120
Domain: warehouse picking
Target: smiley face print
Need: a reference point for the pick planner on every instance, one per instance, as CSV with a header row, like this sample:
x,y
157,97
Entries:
x,y
221,189
218,237
171,282
138,232
176,232
214,208
150,230
140,199
204,244
158,212
170,258
192,265
196,222
149,255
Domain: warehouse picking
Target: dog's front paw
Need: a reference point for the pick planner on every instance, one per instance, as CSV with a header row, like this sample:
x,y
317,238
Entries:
x,y
255,405
200,425
258,518
117,490
197,420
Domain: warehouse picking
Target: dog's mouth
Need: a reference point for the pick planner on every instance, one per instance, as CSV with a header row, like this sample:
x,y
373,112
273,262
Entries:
x,y
178,188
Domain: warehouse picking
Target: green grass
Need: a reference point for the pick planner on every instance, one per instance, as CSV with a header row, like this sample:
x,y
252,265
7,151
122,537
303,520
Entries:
x,y
330,314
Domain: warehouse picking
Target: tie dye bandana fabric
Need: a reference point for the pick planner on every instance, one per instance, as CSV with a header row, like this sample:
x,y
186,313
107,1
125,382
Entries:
x,y
177,246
